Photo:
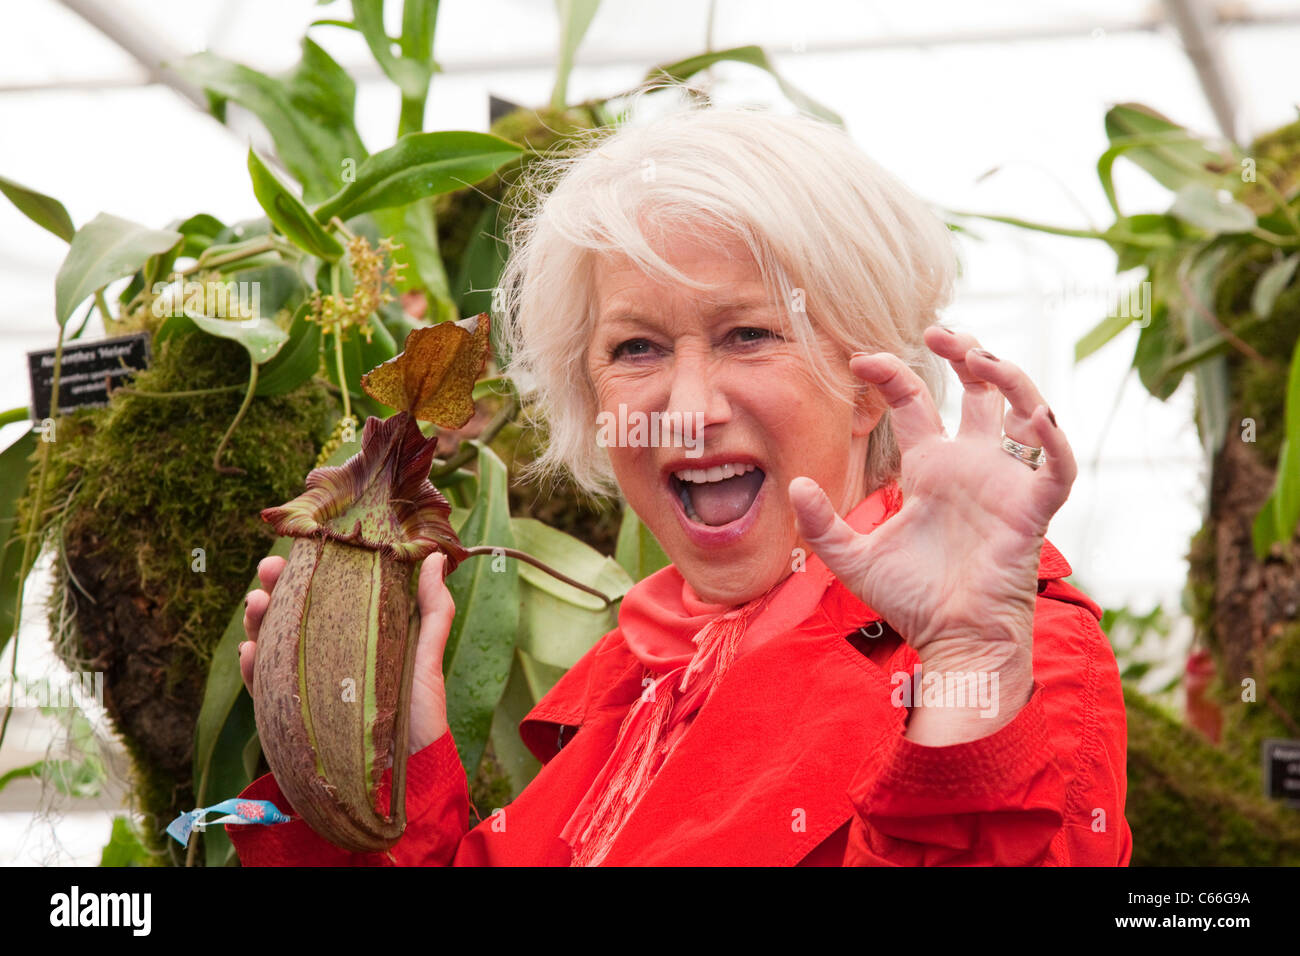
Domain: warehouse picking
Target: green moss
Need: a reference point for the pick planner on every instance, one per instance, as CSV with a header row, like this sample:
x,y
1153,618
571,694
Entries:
x,y
1199,595
155,547
1192,804
1246,724
1277,157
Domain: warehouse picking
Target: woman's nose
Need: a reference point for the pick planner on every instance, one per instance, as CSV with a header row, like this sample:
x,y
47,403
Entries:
x,y
697,391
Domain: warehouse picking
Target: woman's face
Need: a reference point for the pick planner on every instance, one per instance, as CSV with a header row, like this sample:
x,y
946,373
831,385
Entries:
x,y
716,497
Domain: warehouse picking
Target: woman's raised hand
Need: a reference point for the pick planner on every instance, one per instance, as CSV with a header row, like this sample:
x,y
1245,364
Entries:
x,y
955,571
428,691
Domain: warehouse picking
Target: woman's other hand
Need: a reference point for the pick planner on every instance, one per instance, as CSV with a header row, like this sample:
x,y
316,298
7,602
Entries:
x,y
955,571
428,692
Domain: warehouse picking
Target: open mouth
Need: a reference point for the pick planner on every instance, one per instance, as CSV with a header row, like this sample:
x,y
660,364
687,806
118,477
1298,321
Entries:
x,y
718,495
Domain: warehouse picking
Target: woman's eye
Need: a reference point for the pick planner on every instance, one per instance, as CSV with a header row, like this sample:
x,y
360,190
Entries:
x,y
632,348
747,334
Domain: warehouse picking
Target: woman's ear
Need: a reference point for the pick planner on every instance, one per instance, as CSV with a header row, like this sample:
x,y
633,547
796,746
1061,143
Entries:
x,y
868,408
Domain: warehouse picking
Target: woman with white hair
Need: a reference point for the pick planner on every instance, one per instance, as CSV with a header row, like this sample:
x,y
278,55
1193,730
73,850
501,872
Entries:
x,y
863,651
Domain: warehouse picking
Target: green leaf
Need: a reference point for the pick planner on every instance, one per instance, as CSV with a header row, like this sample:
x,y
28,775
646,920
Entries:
x,y
288,214
419,23
1134,147
309,112
72,778
200,231
1170,154
228,773
1263,531
559,623
359,356
326,22
1158,232
1155,348
1293,400
417,166
125,846
46,212
297,361
14,470
1281,513
1213,210
398,323
637,549
415,228
279,287
516,760
481,264
539,677
1100,334
1208,347
1213,393
1271,284
261,338
29,771
483,633
755,56
105,249
575,17
411,76
1286,497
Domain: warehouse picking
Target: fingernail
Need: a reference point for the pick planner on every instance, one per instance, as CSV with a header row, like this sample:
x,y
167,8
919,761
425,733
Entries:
x,y
241,648
947,330
245,600
1051,418
986,354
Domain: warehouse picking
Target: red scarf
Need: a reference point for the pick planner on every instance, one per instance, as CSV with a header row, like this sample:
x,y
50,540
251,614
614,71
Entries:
x,y
687,645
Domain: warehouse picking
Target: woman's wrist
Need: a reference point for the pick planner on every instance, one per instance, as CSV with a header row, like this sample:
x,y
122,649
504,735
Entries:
x,y
956,702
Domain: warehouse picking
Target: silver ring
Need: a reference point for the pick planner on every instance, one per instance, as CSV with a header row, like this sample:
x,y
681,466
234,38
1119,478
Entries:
x,y
1033,457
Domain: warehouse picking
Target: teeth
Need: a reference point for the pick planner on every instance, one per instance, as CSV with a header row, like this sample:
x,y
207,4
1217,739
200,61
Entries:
x,y
702,476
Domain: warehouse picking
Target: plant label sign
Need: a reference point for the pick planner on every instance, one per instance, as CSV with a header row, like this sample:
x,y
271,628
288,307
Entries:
x,y
1282,770
88,371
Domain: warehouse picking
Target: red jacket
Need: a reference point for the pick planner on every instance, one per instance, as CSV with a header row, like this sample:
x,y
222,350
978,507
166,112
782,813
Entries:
x,y
797,758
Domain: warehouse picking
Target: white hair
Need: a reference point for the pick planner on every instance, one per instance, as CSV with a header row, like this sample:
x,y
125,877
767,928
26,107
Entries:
x,y
848,249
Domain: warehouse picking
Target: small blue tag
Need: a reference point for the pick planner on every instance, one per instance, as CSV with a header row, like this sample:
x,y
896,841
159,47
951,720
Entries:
x,y
237,812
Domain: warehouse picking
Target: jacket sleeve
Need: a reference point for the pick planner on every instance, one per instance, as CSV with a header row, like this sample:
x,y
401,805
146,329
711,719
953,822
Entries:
x,y
437,817
1046,789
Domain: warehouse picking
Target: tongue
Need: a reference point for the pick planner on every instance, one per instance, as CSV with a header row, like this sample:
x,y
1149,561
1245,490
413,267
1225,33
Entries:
x,y
721,502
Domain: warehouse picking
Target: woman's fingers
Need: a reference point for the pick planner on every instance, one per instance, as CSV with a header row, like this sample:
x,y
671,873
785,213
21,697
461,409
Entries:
x,y
436,612
838,545
912,410
429,693
268,570
982,405
1019,390
1057,474
255,604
